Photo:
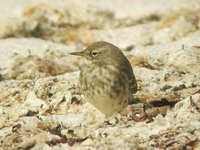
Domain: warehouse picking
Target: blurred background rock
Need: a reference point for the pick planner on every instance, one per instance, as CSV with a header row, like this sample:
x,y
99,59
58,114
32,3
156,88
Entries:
x,y
39,91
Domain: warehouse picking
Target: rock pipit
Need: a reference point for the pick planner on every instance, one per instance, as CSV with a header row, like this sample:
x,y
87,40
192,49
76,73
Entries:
x,y
107,80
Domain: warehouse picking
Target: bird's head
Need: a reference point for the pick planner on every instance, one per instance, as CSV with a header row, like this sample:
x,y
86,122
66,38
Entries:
x,y
101,53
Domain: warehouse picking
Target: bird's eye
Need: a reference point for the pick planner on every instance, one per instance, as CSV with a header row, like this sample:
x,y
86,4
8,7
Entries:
x,y
94,54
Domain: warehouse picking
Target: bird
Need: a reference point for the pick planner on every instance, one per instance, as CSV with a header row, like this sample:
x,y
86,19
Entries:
x,y
107,79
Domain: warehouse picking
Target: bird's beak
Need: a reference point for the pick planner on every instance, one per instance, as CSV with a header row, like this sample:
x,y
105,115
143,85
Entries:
x,y
78,53
81,53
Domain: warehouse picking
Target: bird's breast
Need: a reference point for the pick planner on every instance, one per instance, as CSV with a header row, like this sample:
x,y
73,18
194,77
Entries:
x,y
105,87
103,80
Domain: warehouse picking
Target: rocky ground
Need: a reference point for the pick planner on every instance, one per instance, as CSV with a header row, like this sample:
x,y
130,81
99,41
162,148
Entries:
x,y
41,105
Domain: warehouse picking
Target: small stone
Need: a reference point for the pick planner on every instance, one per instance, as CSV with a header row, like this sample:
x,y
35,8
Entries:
x,y
87,142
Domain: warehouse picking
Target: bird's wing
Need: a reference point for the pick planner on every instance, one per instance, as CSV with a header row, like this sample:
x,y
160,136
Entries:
x,y
131,78
132,84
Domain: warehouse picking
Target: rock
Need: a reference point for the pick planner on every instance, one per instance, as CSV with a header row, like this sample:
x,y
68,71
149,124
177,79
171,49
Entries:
x,y
41,104
34,104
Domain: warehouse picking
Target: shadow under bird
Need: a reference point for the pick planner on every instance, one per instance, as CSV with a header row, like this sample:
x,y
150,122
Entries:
x,y
107,80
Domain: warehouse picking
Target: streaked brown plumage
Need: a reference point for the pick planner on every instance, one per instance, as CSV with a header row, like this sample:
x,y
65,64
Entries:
x,y
107,80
